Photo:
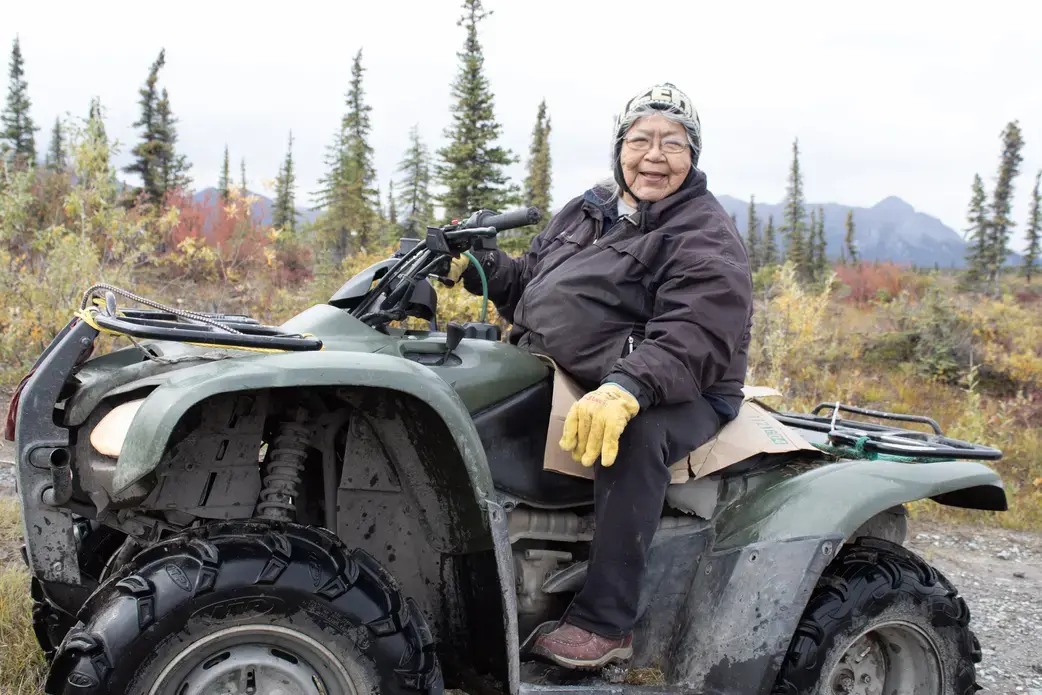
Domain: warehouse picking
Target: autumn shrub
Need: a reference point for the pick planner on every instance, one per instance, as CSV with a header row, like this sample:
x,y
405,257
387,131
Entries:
x,y
45,270
1007,337
878,282
790,337
938,336
215,240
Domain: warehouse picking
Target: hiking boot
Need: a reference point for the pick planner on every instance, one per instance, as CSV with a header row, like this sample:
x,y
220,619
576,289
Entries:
x,y
574,648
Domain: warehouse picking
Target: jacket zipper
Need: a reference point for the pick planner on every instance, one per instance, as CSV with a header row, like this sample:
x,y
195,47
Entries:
x,y
629,340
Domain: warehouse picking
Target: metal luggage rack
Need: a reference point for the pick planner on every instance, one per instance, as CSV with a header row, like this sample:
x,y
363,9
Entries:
x,y
161,322
872,440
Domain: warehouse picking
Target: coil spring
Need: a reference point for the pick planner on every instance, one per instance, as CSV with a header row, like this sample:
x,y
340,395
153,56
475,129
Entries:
x,y
285,463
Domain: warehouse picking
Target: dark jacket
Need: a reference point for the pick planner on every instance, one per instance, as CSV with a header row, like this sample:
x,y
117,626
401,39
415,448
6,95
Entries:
x,y
659,301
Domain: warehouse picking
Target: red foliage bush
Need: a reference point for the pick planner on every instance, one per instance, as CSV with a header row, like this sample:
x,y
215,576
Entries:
x,y
239,239
1030,295
873,281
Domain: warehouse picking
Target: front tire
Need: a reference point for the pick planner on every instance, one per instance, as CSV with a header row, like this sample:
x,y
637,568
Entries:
x,y
246,607
882,620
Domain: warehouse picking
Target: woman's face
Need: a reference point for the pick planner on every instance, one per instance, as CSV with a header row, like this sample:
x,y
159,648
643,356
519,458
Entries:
x,y
655,158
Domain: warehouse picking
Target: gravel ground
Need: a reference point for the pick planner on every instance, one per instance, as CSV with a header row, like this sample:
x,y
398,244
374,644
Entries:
x,y
998,572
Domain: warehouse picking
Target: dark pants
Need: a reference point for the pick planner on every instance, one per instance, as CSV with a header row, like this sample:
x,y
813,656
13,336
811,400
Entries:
x,y
629,498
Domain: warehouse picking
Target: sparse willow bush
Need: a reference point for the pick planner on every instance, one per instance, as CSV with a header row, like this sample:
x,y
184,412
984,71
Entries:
x,y
790,336
1008,339
98,240
939,336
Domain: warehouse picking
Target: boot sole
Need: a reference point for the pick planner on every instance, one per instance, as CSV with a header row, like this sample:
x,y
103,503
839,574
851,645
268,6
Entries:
x,y
614,656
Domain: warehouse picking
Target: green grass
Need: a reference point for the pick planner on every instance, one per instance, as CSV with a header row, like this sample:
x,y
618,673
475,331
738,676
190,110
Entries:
x,y
22,665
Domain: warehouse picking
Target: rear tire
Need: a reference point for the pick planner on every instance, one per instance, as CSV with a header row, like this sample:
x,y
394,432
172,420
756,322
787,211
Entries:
x,y
235,604
882,620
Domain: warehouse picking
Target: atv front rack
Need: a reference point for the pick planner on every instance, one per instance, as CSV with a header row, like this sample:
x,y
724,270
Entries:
x,y
874,440
207,329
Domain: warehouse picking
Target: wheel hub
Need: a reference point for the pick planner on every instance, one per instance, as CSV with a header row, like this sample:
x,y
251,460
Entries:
x,y
255,660
893,658
862,668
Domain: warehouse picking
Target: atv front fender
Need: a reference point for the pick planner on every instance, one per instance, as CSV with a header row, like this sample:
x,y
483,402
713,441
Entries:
x,y
163,408
836,498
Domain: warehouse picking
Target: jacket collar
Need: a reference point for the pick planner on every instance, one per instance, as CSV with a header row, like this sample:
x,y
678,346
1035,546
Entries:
x,y
598,202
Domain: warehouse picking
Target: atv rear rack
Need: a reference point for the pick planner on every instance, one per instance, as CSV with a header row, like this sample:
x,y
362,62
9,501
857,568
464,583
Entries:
x,y
872,440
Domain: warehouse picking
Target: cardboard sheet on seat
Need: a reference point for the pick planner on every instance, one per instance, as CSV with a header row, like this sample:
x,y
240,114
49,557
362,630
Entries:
x,y
752,432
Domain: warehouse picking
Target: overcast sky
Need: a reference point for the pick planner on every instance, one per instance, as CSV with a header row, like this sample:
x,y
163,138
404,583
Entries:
x,y
887,98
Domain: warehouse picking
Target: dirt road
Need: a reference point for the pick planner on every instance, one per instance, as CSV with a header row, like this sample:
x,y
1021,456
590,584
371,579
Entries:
x,y
998,572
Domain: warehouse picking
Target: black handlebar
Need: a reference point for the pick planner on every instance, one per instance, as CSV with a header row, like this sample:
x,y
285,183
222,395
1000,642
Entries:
x,y
506,220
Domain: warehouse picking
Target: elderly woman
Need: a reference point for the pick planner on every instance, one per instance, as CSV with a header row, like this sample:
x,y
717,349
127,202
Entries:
x,y
640,289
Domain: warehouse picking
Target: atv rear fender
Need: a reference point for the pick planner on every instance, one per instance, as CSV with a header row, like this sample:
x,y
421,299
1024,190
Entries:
x,y
408,396
839,497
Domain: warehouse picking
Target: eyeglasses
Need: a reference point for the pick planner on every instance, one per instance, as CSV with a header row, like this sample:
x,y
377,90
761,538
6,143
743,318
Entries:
x,y
642,143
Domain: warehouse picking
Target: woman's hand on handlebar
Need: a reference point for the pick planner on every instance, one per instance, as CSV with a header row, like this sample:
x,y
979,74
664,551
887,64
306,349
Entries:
x,y
457,268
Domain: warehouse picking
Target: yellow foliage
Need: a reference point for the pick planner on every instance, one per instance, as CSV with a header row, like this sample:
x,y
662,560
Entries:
x,y
1009,338
22,665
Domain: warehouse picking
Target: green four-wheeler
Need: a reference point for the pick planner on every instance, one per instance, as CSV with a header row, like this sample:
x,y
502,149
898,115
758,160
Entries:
x,y
340,505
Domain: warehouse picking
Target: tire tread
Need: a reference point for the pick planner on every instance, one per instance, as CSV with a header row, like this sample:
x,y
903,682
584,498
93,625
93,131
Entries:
x,y
400,642
867,576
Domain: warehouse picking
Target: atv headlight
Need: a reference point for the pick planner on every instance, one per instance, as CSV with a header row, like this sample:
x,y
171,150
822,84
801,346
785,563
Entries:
x,y
110,433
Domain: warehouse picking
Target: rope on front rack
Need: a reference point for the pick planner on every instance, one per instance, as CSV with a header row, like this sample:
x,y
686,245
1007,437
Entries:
x,y
87,314
181,313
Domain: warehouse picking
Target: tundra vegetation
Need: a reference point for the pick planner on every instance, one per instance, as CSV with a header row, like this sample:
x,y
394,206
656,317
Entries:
x,y
963,346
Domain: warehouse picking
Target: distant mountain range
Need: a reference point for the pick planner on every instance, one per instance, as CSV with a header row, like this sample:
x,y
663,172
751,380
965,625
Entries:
x,y
260,210
890,230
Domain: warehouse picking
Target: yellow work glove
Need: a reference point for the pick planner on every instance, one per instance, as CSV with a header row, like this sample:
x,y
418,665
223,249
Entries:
x,y
457,267
595,423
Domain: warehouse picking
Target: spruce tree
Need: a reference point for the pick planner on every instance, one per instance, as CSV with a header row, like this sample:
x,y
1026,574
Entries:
x,y
1034,231
17,132
821,257
173,166
536,185
537,182
242,175
848,241
348,196
812,244
977,232
794,226
284,214
392,206
156,160
97,121
770,244
471,165
1001,226
416,201
224,183
752,236
56,159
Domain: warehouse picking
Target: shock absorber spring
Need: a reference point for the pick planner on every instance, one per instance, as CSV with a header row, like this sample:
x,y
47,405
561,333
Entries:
x,y
285,462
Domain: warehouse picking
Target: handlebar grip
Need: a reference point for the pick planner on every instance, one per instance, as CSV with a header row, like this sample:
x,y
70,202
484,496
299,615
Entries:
x,y
512,219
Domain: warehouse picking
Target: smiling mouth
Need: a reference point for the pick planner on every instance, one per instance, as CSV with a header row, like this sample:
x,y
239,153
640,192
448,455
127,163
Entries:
x,y
652,177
